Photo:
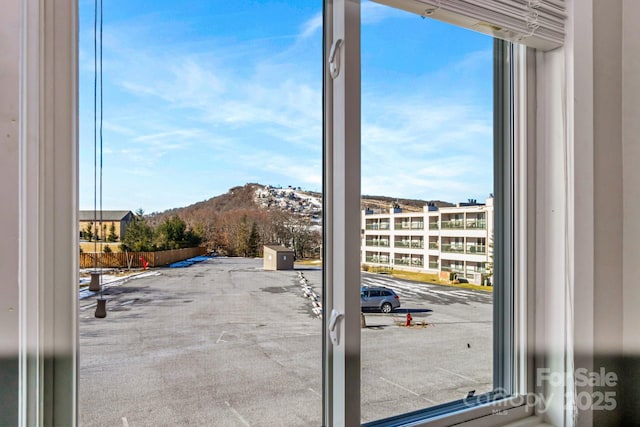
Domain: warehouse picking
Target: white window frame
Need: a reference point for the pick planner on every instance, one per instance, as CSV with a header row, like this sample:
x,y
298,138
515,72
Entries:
x,y
48,203
513,367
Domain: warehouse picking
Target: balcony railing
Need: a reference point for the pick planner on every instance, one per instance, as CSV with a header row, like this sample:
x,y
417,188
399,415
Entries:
x,y
377,260
377,243
453,224
477,224
476,249
433,226
433,245
433,265
417,244
377,226
400,244
446,247
402,225
413,262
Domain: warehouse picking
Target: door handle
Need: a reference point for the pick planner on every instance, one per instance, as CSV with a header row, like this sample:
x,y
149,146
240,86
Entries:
x,y
333,326
334,58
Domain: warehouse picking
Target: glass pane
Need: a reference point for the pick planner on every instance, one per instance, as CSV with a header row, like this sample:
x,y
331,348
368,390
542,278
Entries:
x,y
213,127
427,212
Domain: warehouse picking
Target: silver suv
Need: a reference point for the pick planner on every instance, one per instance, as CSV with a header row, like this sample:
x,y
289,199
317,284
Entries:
x,y
380,298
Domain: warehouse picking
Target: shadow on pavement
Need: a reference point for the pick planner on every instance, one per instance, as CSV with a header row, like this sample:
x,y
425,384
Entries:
x,y
411,310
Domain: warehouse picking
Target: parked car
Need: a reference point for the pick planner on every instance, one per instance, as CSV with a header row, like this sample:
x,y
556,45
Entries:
x,y
379,298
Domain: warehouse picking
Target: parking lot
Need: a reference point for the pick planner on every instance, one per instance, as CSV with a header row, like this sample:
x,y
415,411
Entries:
x,y
224,343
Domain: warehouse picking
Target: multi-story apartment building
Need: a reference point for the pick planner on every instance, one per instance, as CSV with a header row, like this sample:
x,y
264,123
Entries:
x,y
439,240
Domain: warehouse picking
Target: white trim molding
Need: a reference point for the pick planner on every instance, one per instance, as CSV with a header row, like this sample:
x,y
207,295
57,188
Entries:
x,y
48,201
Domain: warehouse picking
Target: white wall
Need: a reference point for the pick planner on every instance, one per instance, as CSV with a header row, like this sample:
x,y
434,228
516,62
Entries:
x,y
631,176
631,203
604,80
9,126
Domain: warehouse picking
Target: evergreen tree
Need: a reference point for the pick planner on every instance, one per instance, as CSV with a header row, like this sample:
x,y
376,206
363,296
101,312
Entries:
x,y
88,232
242,237
170,234
112,233
254,240
139,236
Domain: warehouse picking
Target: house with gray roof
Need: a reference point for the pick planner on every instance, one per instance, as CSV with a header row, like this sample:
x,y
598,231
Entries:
x,y
116,220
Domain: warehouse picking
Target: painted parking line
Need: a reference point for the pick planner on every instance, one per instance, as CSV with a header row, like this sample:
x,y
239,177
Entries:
x,y
399,386
237,414
314,392
457,375
407,390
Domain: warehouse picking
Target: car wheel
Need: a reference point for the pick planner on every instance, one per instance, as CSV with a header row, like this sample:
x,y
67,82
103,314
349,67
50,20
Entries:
x,y
386,308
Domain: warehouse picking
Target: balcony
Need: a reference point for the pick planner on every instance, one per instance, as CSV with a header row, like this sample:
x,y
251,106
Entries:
x,y
402,225
480,224
433,226
457,224
414,244
446,247
410,262
377,260
377,226
377,243
433,265
452,268
433,245
476,249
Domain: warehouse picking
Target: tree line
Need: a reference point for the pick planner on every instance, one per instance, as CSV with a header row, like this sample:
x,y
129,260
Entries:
x,y
171,233
244,231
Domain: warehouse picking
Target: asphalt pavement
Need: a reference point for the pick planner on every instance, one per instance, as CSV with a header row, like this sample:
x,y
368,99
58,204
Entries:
x,y
224,343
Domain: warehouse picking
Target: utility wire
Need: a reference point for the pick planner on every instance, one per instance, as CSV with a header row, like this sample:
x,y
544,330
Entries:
x,y
97,82
102,229
95,135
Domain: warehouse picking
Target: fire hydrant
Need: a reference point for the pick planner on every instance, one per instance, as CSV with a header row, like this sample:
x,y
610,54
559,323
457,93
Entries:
x,y
409,318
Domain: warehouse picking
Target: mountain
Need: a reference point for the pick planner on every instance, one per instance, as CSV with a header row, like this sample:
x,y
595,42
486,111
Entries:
x,y
291,200
240,221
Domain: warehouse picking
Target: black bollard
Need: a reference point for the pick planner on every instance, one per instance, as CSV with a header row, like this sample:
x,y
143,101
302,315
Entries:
x,y
101,308
94,286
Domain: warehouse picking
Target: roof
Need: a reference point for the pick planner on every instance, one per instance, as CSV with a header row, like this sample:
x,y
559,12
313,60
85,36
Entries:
x,y
106,215
278,248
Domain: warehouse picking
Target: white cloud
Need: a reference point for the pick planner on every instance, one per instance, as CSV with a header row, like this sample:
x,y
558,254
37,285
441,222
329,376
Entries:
x,y
311,26
370,13
373,13
430,147
255,113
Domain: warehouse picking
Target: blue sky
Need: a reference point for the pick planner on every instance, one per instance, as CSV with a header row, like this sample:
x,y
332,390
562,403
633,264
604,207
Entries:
x,y
202,96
